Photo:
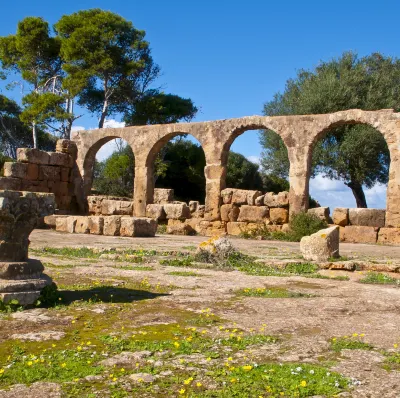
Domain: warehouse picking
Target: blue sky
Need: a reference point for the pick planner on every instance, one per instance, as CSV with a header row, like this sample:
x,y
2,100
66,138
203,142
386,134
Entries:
x,y
232,56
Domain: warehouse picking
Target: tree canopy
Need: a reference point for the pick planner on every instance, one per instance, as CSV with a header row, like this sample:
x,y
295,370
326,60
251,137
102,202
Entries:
x,y
355,154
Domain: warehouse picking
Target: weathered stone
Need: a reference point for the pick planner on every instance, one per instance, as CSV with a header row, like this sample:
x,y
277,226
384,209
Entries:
x,y
163,195
142,377
126,359
177,227
82,225
390,236
226,195
359,234
51,173
229,212
340,216
67,146
278,215
112,225
322,245
236,228
259,200
138,227
215,249
253,213
211,228
193,205
95,225
15,169
155,211
32,155
367,217
60,159
8,183
252,196
116,207
321,212
50,221
39,336
64,174
277,200
177,211
19,213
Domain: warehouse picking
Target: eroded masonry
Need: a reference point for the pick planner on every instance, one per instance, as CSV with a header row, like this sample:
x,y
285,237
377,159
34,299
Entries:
x,y
68,173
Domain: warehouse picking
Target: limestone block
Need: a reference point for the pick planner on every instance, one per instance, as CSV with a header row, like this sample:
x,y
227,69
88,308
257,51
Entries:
x,y
193,205
229,212
32,155
340,216
226,195
116,207
252,196
67,146
200,211
16,170
64,202
322,245
253,213
177,211
9,183
321,212
390,236
367,217
112,225
50,173
277,200
60,159
64,174
177,227
285,228
163,195
359,234
278,215
82,225
50,221
32,172
155,211
138,227
259,200
95,225
211,228
33,186
94,204
235,228
66,224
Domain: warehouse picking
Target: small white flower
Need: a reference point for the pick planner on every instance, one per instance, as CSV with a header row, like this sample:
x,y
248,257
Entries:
x,y
299,369
328,373
312,371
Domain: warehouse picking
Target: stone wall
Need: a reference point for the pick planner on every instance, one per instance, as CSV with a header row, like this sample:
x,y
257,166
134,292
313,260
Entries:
x,y
40,171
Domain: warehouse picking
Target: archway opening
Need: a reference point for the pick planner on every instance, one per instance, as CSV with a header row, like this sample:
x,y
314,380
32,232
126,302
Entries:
x,y
350,167
114,170
179,165
257,160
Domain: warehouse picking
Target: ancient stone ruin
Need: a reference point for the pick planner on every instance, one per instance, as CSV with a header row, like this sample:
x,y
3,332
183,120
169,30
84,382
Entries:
x,y
21,279
68,173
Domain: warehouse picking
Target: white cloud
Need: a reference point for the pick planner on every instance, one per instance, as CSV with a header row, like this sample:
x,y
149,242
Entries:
x,y
334,193
112,123
106,150
254,159
77,128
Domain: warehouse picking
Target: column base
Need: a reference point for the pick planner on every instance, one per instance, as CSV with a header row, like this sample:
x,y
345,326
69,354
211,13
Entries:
x,y
22,281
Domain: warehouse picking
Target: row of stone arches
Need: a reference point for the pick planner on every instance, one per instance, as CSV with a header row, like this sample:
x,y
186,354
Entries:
x,y
299,134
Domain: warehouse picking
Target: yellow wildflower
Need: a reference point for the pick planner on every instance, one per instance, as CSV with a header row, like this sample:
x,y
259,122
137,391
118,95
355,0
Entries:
x,y
1,371
303,383
182,391
395,345
79,348
176,344
247,367
233,380
29,363
63,365
198,384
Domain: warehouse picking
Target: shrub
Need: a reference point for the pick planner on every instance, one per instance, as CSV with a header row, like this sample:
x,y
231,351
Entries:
x,y
304,224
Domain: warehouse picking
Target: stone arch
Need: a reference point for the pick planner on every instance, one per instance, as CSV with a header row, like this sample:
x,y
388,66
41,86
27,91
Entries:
x,y
89,160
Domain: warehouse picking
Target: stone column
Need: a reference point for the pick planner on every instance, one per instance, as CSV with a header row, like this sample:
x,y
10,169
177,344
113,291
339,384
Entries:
x,y
21,279
299,178
143,189
215,182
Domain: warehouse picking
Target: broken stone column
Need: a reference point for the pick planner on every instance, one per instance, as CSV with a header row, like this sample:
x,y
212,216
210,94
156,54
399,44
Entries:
x,y
21,279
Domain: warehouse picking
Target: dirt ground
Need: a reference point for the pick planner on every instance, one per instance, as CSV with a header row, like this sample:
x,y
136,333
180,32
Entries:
x,y
329,309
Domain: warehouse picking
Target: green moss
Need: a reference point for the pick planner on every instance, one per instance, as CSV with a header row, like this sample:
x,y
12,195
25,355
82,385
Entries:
x,y
349,343
380,279
271,292
184,273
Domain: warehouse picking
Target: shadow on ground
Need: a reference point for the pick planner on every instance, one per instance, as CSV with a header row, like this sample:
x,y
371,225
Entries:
x,y
108,294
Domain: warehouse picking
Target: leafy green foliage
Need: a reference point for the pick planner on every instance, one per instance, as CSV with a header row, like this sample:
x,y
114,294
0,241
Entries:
x,y
10,306
304,224
242,173
349,343
357,155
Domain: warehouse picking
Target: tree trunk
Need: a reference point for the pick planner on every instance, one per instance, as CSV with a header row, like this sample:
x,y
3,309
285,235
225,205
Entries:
x,y
103,115
34,134
358,193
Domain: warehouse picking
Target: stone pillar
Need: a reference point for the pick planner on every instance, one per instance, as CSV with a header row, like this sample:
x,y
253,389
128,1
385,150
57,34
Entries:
x,y
143,189
215,182
299,178
21,279
392,218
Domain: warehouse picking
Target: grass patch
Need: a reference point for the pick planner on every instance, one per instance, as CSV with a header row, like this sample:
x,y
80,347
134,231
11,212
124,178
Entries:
x,y
392,361
178,262
184,273
379,279
272,292
349,343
